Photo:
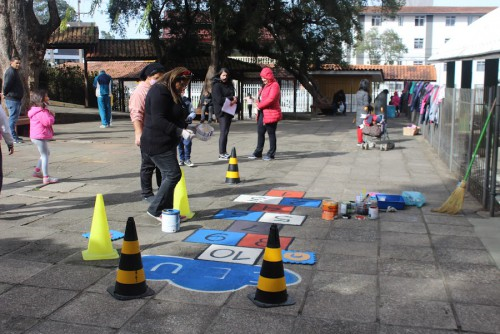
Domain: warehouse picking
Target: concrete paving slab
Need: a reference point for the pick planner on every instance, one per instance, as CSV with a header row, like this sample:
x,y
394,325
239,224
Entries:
x,y
479,318
325,326
467,292
34,301
16,271
405,268
477,256
393,287
345,284
422,254
403,239
348,264
54,327
13,324
430,314
471,272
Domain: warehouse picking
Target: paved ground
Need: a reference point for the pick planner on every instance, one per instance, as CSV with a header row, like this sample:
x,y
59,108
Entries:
x,y
408,272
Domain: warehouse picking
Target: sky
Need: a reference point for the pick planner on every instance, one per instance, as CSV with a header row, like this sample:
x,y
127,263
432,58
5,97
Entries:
x,y
101,18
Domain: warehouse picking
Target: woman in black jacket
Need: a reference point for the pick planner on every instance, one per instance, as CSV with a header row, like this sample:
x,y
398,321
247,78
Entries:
x,y
222,88
164,126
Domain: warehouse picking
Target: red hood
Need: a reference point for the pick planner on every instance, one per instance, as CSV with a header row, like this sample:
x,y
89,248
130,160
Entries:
x,y
267,74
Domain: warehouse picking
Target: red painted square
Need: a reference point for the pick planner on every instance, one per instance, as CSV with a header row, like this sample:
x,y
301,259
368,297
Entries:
x,y
286,193
272,208
260,241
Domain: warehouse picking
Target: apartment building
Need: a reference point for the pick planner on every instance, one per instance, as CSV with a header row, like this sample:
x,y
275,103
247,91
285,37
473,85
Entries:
x,y
424,29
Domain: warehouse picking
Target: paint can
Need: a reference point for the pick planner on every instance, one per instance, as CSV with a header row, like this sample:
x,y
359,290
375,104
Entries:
x,y
373,212
343,208
170,220
330,210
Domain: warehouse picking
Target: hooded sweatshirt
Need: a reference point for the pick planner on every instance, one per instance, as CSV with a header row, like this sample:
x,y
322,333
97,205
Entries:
x,y
270,96
41,121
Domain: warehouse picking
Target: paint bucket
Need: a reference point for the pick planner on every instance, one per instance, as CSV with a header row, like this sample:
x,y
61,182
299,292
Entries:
x,y
170,220
373,212
330,209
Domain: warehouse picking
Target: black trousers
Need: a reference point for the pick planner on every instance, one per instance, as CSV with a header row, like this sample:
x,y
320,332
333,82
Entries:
x,y
224,125
148,167
261,136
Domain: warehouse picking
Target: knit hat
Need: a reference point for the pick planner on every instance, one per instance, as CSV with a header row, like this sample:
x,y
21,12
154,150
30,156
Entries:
x,y
151,69
267,74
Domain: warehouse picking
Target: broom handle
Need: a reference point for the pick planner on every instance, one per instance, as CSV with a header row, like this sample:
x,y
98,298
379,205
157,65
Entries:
x,y
483,131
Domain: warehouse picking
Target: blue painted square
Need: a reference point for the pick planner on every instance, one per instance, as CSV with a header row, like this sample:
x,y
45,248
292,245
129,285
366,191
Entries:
x,y
215,237
313,203
239,215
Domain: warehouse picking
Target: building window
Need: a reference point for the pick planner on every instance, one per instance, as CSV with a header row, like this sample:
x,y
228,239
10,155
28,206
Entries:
x,y
419,21
445,66
376,20
471,19
446,40
450,21
480,66
418,43
418,62
401,20
400,62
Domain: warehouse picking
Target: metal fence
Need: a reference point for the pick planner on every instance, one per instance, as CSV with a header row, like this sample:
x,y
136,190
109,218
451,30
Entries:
x,y
288,92
461,118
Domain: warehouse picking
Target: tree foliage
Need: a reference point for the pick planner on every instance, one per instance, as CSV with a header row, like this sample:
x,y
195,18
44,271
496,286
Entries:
x,y
63,8
387,46
299,34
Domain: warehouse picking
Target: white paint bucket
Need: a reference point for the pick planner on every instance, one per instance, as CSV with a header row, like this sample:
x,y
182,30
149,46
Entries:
x,y
373,212
170,220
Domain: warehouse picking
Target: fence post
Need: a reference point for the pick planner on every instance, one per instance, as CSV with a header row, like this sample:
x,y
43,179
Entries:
x,y
452,134
494,164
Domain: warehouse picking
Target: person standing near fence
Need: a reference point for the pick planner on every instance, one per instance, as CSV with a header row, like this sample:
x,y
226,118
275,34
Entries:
x,y
222,89
362,102
103,84
7,136
268,115
149,75
249,100
13,92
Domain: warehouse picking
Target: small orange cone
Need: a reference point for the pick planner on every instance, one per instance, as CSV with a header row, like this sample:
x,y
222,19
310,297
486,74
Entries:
x,y
181,201
130,279
99,246
232,174
271,287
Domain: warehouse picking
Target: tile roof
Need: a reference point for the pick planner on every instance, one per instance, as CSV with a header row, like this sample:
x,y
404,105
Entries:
x,y
74,37
391,72
122,49
434,10
127,70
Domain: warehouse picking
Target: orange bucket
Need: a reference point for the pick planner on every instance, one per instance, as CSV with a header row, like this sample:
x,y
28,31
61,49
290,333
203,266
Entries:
x,y
329,205
327,215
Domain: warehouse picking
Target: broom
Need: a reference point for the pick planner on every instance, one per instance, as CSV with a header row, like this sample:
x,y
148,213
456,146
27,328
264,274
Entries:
x,y
454,203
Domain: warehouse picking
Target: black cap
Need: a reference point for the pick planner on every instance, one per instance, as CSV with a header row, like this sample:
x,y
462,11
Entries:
x,y
151,69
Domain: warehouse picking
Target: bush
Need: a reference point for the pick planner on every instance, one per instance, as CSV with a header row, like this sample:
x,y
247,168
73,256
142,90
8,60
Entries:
x,y
64,83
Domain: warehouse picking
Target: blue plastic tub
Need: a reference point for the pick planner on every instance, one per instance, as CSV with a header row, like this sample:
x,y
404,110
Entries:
x,y
385,200
391,111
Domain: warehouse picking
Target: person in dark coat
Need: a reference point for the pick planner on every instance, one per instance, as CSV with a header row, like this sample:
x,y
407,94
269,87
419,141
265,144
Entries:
x,y
222,89
339,102
164,126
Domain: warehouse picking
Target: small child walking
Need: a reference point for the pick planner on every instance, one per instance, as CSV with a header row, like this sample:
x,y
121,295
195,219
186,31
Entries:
x,y
41,121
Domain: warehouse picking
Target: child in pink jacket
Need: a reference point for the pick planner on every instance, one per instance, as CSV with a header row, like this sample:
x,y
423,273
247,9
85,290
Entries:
x,y
41,121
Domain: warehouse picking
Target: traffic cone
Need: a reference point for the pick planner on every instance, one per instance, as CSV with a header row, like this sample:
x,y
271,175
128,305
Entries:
x,y
271,287
100,246
130,279
181,201
233,175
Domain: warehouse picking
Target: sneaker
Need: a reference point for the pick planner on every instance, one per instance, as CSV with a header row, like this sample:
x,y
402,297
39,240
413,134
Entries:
x,y
267,158
49,180
181,163
253,157
149,199
224,156
38,175
151,215
359,144
188,163
102,126
18,141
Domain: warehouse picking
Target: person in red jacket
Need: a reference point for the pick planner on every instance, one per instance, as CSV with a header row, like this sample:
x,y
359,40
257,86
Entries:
x,y
396,100
268,114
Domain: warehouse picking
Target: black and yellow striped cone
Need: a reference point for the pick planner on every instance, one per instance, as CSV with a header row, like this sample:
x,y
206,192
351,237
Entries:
x,y
130,279
233,175
271,287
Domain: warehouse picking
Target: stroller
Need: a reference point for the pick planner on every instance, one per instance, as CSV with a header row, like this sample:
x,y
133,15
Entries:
x,y
375,133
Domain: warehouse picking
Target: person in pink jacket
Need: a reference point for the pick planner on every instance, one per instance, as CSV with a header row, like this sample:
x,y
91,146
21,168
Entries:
x,y
268,114
41,121
395,101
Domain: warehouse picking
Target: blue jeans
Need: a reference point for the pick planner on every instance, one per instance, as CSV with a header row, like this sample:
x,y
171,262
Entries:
x,y
170,176
14,107
185,149
104,104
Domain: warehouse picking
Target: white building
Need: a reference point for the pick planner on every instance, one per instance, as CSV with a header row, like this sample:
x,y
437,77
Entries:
x,y
424,29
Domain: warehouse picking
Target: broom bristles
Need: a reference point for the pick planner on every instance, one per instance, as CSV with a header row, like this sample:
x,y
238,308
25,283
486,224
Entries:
x,y
454,203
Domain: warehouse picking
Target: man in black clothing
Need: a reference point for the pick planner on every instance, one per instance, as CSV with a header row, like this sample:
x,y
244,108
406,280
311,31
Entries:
x,y
13,92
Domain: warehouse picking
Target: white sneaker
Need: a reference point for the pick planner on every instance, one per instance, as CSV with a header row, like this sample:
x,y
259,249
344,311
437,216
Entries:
x,y
188,163
151,215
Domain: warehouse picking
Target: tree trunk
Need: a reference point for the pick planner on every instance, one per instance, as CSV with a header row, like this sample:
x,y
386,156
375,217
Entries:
x,y
22,35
